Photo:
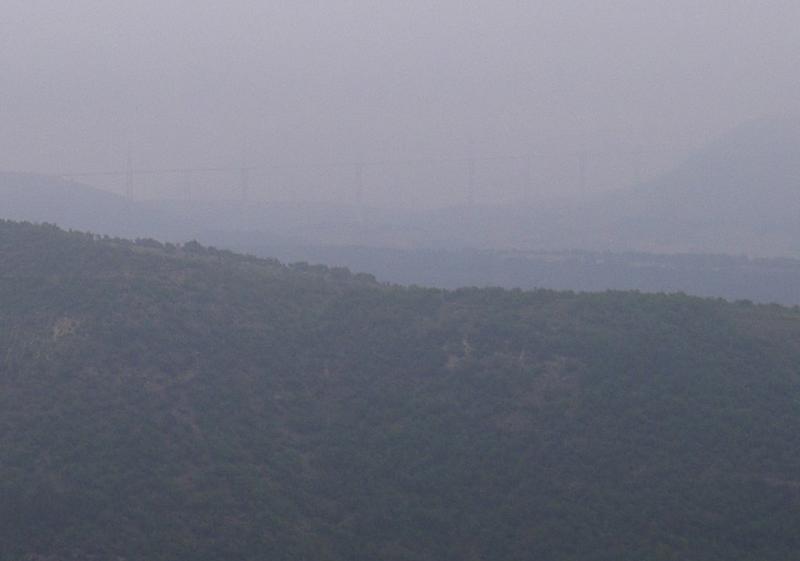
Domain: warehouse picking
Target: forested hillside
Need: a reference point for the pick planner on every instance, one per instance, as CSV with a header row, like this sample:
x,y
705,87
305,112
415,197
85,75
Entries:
x,y
163,402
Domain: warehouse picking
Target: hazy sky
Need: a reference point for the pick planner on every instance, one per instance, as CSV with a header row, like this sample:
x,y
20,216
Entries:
x,y
197,82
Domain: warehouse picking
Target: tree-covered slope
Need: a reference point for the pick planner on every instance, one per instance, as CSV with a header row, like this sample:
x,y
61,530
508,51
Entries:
x,y
182,403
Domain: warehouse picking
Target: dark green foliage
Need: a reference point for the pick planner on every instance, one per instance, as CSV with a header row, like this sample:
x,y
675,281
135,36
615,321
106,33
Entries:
x,y
185,403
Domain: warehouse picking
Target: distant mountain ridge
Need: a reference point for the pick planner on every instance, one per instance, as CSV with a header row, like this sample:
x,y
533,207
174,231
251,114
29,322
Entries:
x,y
74,205
741,194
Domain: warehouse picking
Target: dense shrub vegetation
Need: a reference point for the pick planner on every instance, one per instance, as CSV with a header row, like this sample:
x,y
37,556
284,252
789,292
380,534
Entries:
x,y
163,402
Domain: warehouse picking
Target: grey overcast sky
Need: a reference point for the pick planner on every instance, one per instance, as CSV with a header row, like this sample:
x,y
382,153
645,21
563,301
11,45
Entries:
x,y
197,82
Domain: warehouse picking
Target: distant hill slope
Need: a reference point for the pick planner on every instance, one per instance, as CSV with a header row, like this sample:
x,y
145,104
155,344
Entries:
x,y
70,204
739,195
183,403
